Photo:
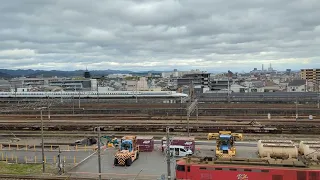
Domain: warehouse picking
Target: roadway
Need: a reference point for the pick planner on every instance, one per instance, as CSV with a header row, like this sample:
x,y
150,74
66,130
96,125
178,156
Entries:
x,y
31,156
150,165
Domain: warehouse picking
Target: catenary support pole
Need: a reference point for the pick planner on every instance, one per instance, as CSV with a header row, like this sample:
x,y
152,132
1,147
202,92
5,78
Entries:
x,y
168,155
99,153
42,144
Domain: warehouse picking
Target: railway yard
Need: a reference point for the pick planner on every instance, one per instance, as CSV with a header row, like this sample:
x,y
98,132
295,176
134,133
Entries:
x,y
66,122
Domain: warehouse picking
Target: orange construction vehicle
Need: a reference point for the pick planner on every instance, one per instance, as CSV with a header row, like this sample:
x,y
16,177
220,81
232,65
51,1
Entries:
x,y
128,151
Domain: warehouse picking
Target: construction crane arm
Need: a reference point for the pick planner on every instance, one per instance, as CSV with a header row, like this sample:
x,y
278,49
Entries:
x,y
238,136
213,136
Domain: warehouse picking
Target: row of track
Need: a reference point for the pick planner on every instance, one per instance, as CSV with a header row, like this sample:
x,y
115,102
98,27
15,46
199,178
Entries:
x,y
153,119
175,125
146,117
176,105
156,135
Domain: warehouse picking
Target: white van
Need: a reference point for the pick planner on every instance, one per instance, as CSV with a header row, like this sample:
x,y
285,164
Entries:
x,y
179,151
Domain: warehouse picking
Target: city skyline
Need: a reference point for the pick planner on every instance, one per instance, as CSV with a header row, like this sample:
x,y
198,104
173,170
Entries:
x,y
159,35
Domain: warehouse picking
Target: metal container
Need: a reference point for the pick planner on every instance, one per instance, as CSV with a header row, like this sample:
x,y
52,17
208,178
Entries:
x,y
145,143
283,151
302,145
312,151
260,142
187,142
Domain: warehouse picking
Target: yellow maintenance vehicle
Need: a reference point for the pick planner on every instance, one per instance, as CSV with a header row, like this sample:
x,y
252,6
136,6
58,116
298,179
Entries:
x,y
128,151
225,143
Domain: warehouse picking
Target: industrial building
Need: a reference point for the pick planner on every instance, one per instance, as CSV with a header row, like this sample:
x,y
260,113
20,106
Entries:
x,y
199,80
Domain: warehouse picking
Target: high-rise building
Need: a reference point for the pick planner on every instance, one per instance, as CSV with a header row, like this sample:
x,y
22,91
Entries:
x,y
310,74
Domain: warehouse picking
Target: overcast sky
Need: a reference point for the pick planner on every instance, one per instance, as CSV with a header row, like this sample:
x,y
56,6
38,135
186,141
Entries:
x,y
212,35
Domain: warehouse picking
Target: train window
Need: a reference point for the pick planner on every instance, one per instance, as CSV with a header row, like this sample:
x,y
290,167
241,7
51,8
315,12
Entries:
x,y
218,169
301,175
180,168
247,170
265,170
188,168
277,177
314,175
256,170
233,169
203,168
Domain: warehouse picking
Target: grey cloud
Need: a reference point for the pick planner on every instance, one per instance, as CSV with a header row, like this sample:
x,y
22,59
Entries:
x,y
154,34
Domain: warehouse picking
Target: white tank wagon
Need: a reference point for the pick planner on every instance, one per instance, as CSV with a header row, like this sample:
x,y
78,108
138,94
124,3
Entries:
x,y
312,151
260,142
278,151
303,144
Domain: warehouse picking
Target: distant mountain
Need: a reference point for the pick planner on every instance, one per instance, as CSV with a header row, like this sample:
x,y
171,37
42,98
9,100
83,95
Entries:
x,y
4,75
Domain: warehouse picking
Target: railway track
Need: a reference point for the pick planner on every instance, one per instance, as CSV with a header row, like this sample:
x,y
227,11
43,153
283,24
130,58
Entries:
x,y
156,135
175,125
176,105
175,111
148,117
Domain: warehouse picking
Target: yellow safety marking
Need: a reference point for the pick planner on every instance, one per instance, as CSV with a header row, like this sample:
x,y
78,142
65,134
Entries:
x,y
74,159
45,159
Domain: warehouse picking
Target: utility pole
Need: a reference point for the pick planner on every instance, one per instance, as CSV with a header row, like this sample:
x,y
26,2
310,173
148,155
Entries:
x,y
42,144
180,109
188,124
197,113
73,105
99,153
168,155
136,90
48,108
79,100
190,110
59,162
318,94
297,116
98,90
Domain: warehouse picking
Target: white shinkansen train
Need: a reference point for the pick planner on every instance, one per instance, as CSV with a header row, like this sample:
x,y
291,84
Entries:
x,y
94,94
